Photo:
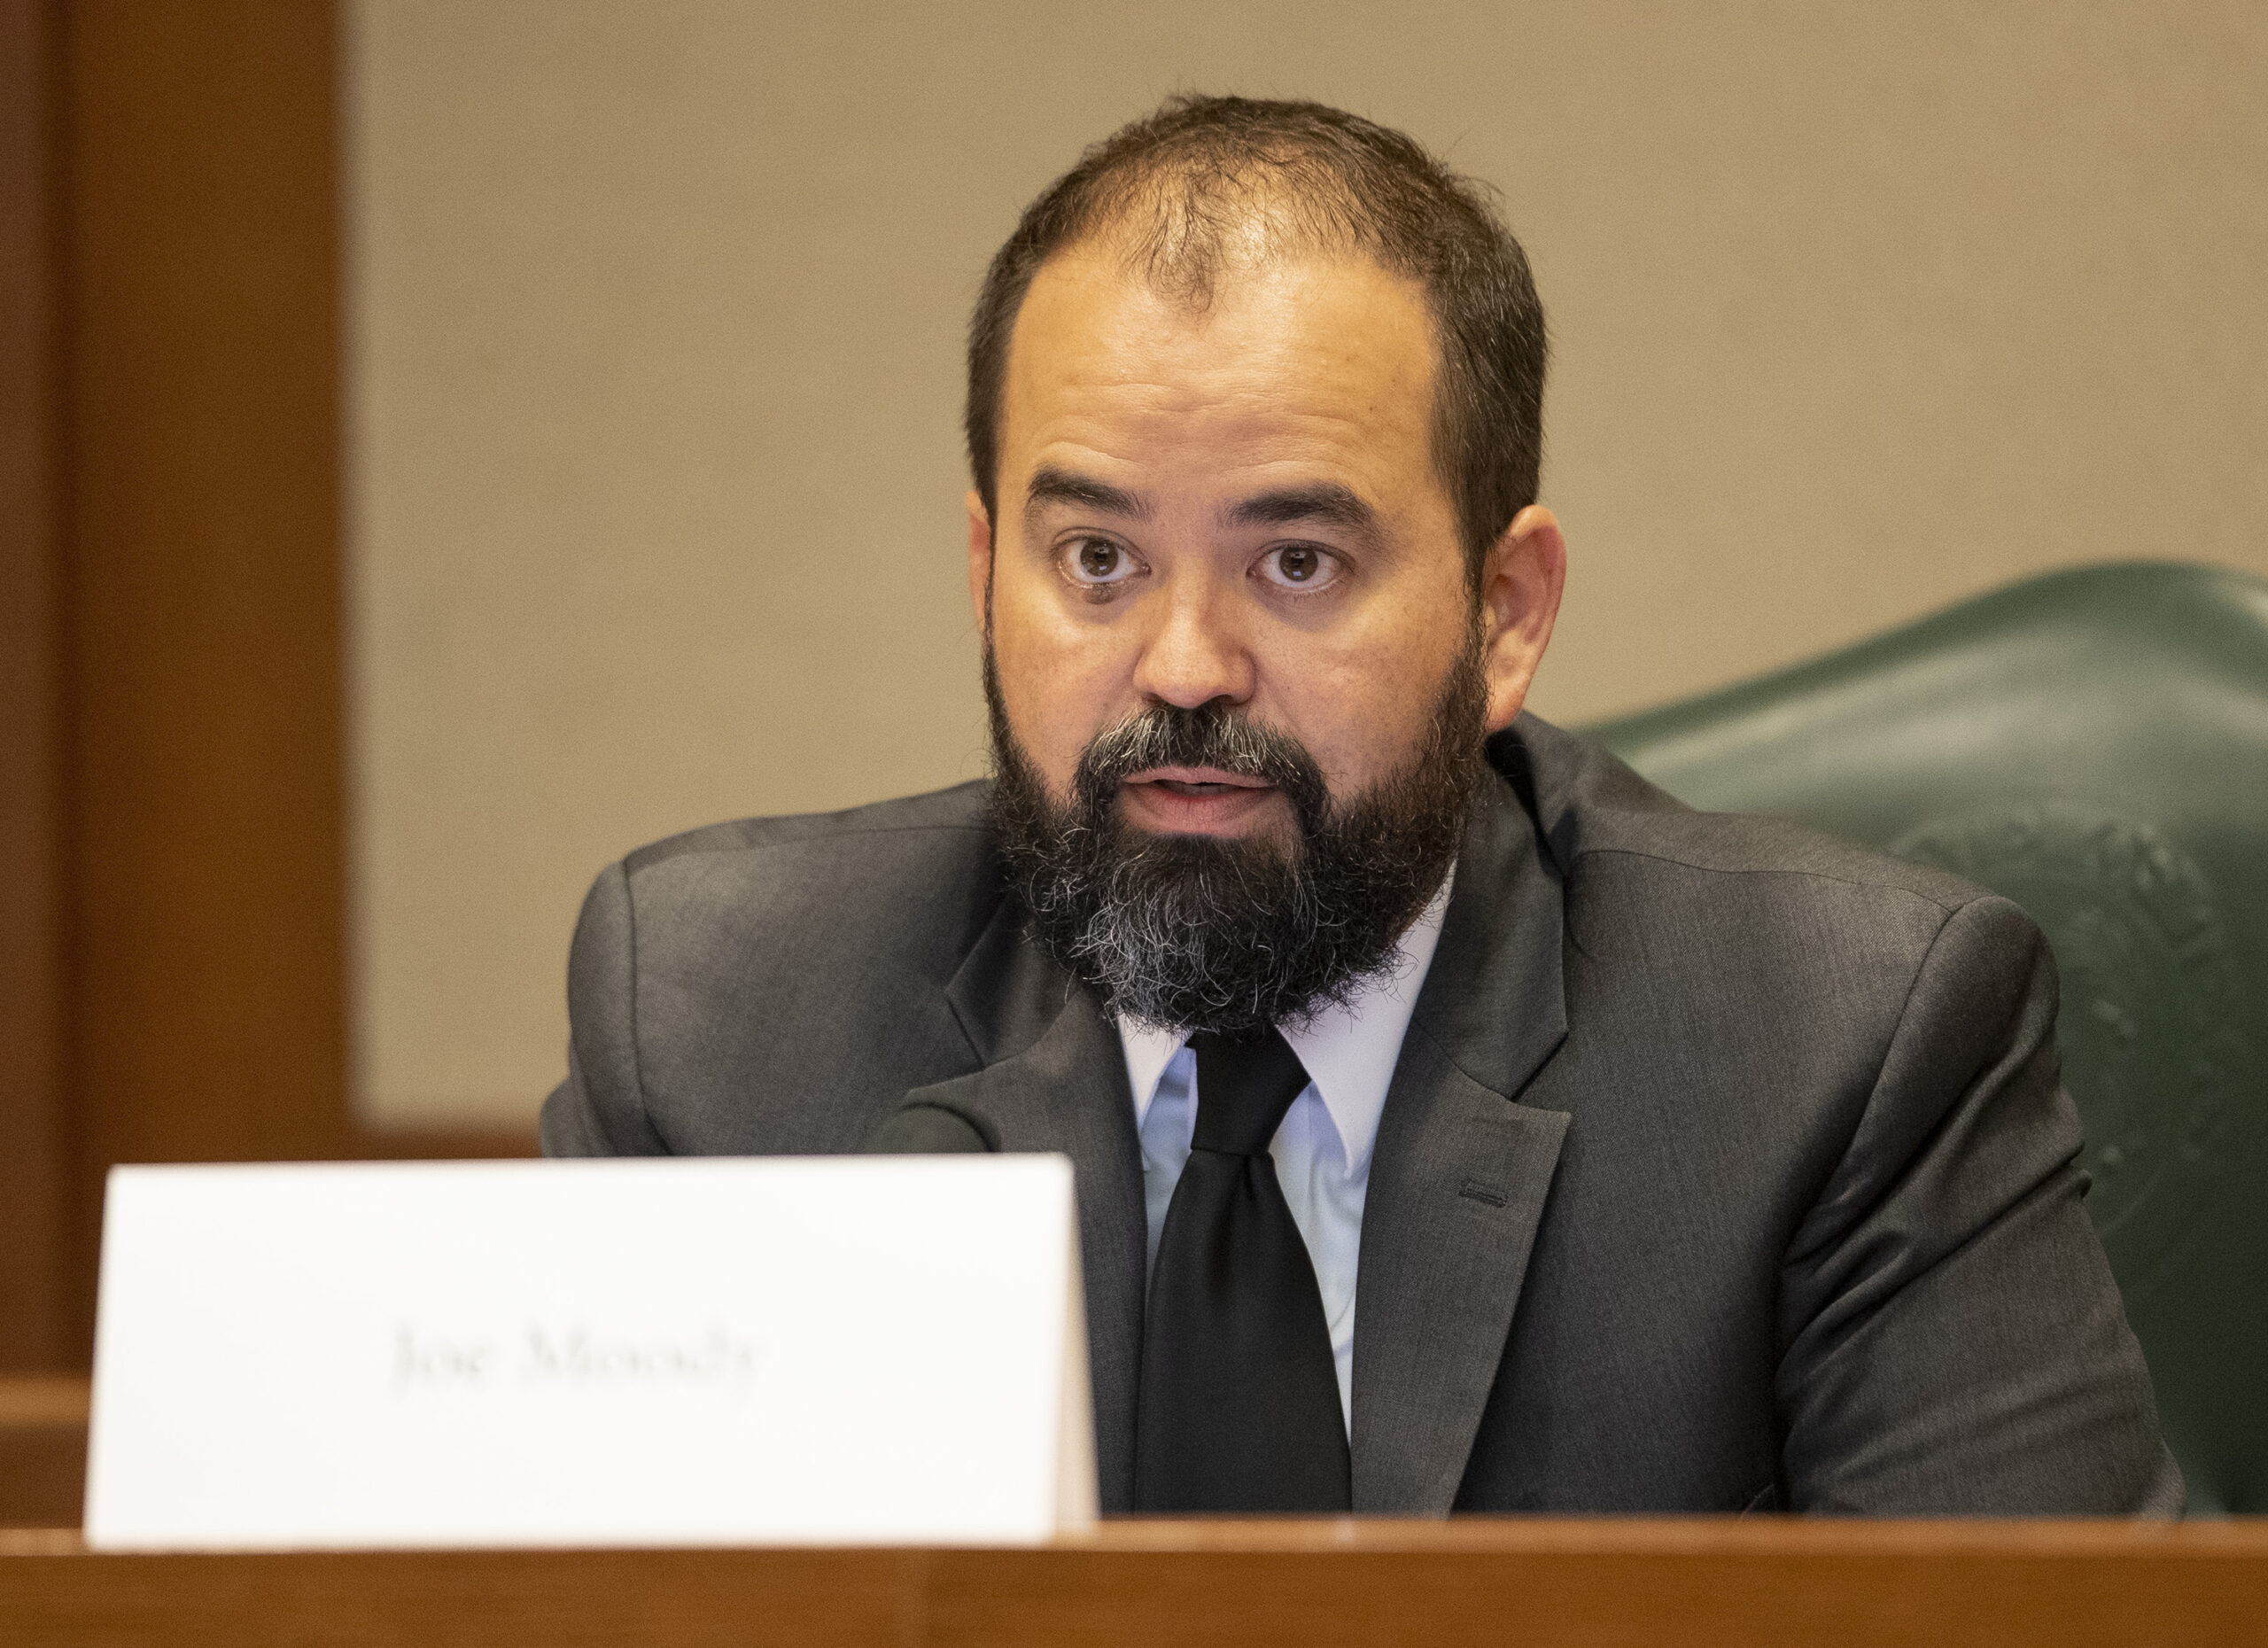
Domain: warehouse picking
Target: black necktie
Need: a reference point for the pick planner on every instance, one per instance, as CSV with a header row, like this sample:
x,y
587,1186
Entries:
x,y
1239,1406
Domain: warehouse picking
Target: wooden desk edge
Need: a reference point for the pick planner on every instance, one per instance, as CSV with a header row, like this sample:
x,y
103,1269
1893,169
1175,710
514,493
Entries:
x,y
2240,1539
44,1400
1328,1585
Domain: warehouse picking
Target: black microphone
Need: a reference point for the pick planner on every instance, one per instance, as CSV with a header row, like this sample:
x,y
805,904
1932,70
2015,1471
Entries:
x,y
927,1130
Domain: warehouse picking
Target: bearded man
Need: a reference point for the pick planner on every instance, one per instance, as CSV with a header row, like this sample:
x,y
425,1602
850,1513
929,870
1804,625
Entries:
x,y
1460,1123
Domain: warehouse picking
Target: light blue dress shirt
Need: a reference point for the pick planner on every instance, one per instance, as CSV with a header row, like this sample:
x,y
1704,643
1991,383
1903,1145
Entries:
x,y
1323,1150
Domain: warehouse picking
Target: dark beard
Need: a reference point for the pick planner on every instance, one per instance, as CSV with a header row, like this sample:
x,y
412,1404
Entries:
x,y
1202,933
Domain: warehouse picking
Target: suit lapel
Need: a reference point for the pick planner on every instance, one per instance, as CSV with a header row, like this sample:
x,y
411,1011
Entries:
x,y
1055,1080
1461,1171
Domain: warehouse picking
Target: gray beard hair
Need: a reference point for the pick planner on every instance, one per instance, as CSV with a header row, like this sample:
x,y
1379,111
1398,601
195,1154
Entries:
x,y
1202,933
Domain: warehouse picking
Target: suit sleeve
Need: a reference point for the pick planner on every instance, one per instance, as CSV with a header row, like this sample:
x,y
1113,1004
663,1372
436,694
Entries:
x,y
1955,1344
599,1109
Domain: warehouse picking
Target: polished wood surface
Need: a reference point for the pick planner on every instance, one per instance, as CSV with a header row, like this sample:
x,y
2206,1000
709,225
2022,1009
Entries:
x,y
43,1451
1142,1585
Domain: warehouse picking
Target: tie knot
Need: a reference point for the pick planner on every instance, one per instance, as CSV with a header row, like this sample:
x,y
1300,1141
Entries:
x,y
1243,1087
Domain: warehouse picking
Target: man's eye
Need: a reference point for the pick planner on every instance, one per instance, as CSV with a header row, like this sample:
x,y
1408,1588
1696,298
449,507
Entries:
x,y
1099,561
1299,566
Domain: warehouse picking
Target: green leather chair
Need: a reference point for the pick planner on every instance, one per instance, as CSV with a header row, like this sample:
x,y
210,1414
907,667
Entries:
x,y
2094,745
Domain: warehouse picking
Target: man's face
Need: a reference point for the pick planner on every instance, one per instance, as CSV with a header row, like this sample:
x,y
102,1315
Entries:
x,y
1234,504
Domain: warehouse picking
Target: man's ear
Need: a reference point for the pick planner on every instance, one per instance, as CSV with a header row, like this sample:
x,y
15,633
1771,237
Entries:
x,y
980,561
1520,584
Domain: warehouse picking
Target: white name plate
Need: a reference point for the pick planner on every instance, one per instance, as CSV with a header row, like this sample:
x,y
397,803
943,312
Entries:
x,y
815,1351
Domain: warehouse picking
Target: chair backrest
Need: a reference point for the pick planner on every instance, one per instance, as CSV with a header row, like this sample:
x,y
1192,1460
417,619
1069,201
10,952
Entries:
x,y
2094,745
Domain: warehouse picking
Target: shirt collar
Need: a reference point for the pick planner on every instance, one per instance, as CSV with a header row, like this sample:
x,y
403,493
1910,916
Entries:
x,y
1350,1052
1149,1049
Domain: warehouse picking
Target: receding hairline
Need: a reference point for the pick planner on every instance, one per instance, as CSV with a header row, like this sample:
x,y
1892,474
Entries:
x,y
1112,256
1180,225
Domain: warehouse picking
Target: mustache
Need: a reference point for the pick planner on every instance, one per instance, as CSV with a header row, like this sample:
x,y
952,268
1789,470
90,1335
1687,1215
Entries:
x,y
1212,735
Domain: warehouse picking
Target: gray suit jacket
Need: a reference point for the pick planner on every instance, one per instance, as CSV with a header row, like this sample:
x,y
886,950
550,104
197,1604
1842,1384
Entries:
x,y
1725,1167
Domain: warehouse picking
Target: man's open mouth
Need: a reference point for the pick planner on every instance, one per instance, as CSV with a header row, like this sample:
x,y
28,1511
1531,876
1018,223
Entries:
x,y
1197,781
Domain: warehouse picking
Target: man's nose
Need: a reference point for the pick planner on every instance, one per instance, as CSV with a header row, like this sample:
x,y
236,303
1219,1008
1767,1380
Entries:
x,y
1197,652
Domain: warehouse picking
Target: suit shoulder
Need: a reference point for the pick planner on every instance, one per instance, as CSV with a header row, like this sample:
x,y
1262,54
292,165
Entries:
x,y
1590,806
761,986
910,878
957,811
1738,845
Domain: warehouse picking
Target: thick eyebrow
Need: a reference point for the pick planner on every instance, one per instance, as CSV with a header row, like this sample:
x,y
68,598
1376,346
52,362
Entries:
x,y
1326,502
1050,484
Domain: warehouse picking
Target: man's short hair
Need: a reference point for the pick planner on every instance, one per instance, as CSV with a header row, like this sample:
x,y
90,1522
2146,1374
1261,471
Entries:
x,y
1184,186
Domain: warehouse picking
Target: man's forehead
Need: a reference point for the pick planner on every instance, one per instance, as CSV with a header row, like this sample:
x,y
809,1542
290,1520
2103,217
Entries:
x,y
1330,337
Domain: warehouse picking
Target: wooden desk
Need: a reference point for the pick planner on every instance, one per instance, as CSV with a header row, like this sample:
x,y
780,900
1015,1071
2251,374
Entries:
x,y
43,1450
1536,1584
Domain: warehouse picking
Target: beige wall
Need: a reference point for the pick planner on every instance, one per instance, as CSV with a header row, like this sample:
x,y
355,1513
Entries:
x,y
657,312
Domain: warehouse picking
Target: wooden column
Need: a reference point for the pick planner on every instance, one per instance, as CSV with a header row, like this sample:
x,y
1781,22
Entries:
x,y
204,696
39,1268
172,738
